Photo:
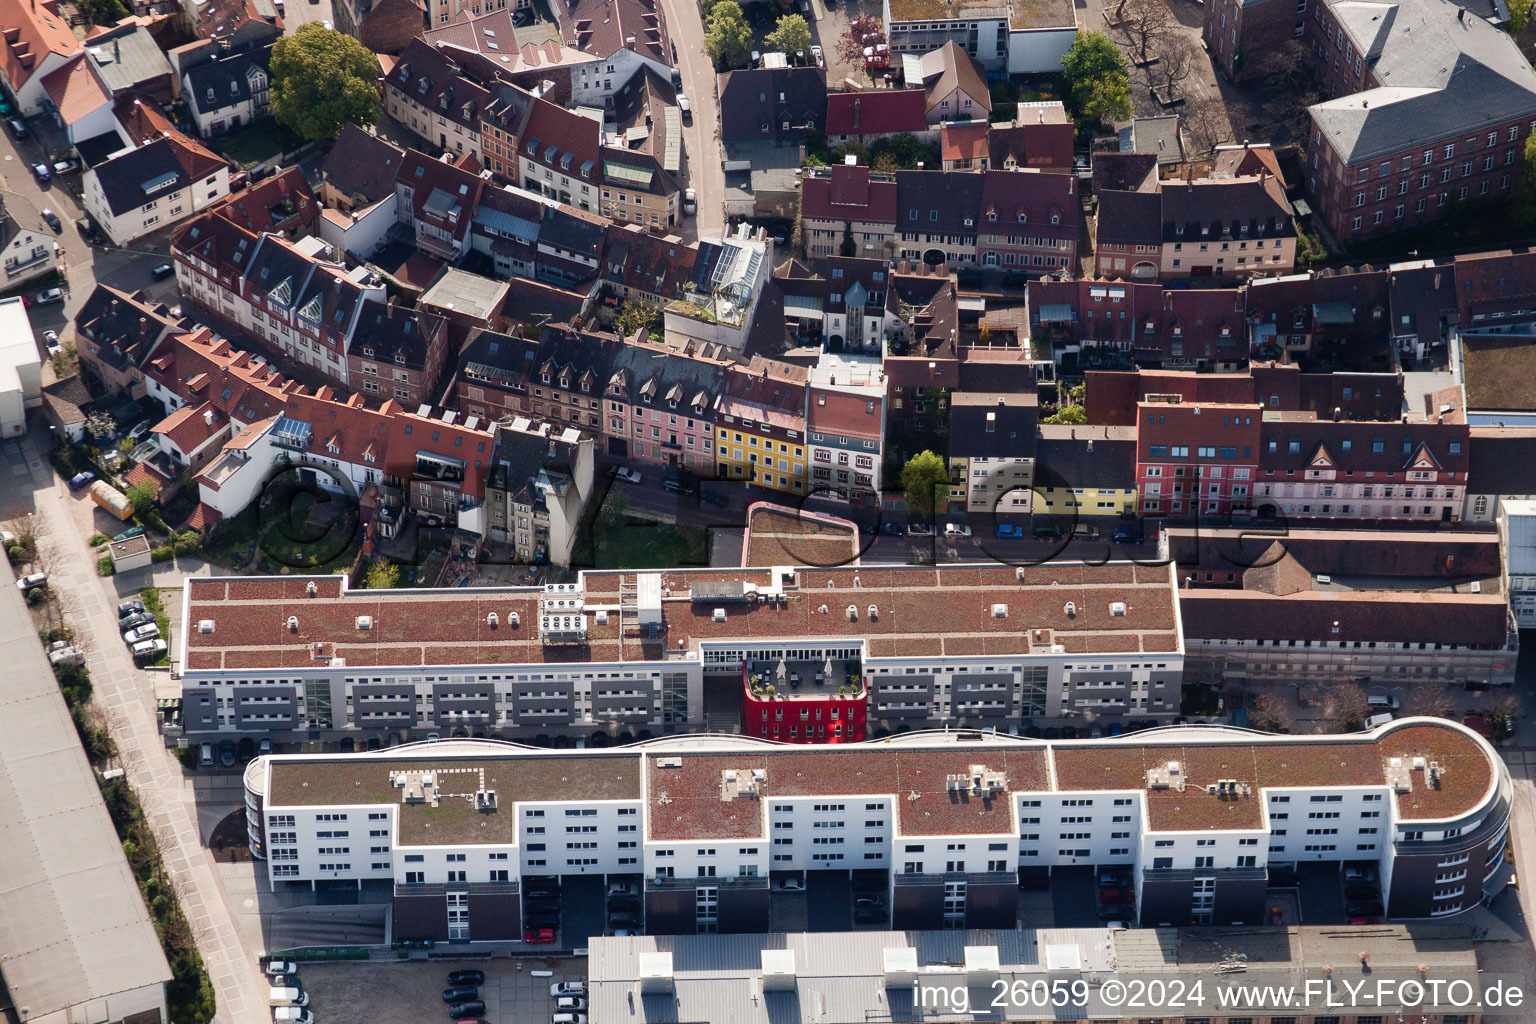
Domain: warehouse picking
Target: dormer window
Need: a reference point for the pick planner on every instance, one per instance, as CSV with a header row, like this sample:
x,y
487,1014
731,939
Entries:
x,y
992,215
1055,218
545,377
1023,217
367,353
331,447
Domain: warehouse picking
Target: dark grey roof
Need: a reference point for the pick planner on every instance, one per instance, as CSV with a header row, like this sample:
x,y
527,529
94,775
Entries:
x,y
139,175
1229,207
521,457
230,80
362,164
1085,456
130,57
1420,295
1011,419
565,230
755,97
937,202
1503,461
1441,75
1127,218
389,332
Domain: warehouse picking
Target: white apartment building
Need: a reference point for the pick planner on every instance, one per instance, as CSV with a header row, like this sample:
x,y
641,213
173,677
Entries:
x,y
1517,535
975,646
1198,814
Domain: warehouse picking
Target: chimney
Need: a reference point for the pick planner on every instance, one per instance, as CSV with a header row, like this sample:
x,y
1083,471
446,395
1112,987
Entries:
x,y
1461,14
117,52
856,102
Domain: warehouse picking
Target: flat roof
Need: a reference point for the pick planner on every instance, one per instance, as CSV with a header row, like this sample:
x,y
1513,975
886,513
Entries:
x,y
987,610
1497,370
466,293
682,778
785,536
75,929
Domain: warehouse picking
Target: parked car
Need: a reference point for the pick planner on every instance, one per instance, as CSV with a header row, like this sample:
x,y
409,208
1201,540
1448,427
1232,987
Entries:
x,y
292,1015
1047,531
568,1017
1365,920
459,993
32,582
1127,535
69,166
623,889
568,1004
149,631
468,1008
86,227
80,480
264,747
686,108
539,936
677,483
51,341
62,652
626,475
1377,701
690,202
567,988
162,272
127,610
623,905
276,967
816,56
18,127
1363,909
49,296
466,978
206,758
714,498
52,220
130,533
622,918
919,530
227,753
1009,531
41,173
1085,531
791,885
1360,873
1361,892
875,900
956,530
134,621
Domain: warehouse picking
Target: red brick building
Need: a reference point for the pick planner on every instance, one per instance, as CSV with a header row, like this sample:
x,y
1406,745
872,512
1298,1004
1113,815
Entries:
x,y
1194,459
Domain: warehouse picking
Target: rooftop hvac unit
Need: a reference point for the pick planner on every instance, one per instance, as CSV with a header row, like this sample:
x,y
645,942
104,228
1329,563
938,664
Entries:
x,y
493,620
365,622
1071,609
1419,763
1173,767
205,626
999,611
293,623
719,615
602,617
853,613
1117,607
485,800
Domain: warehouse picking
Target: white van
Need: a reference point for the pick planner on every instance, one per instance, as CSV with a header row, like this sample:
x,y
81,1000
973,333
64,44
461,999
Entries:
x,y
1378,720
292,1015
287,997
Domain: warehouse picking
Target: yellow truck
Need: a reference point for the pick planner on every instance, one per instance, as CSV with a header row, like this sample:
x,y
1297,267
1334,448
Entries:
x,y
111,499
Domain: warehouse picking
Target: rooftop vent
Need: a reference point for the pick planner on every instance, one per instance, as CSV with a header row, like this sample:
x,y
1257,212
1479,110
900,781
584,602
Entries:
x,y
493,620
778,970
1071,609
1000,611
485,800
514,620
874,612
1018,573
310,589
853,613
205,626
719,615
293,623
1117,607
899,965
669,762
365,622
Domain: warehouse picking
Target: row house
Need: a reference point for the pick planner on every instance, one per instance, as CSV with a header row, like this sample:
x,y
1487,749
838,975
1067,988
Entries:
x,y
660,405
855,116
1041,137
437,200
115,331
1276,387
760,425
1228,227
428,93
397,353
995,219
846,424
848,203
779,106
992,452
643,267
555,376
564,155
539,484
1197,460
620,34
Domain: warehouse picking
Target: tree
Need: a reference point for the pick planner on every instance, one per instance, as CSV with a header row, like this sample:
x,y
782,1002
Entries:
x,y
103,12
1146,24
321,80
1096,80
792,35
925,478
100,425
1269,713
1206,119
902,152
1428,698
382,575
1525,194
1346,706
1074,414
1502,716
635,316
1177,60
728,37
141,496
865,30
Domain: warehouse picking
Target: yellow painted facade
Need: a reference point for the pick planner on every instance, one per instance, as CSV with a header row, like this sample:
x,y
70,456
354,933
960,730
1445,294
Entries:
x,y
1089,501
745,454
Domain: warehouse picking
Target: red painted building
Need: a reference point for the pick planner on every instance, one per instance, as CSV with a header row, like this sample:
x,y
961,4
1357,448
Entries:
x,y
1196,459
815,714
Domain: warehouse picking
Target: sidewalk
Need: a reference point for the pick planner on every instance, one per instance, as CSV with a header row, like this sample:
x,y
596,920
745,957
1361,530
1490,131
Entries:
x,y
90,603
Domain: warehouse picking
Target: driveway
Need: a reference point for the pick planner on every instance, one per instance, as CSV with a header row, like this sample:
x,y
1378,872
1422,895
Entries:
x,y
1322,899
126,696
1074,898
829,901
702,156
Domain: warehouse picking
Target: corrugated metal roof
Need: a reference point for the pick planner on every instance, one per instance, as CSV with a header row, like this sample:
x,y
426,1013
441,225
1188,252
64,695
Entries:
x,y
75,928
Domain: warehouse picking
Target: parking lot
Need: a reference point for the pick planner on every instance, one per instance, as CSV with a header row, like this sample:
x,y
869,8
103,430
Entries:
x,y
411,992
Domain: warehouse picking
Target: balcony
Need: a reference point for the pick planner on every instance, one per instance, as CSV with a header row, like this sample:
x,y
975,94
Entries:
x,y
434,246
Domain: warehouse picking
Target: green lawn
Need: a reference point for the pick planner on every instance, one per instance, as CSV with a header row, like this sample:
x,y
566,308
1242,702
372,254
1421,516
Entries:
x,y
643,544
255,143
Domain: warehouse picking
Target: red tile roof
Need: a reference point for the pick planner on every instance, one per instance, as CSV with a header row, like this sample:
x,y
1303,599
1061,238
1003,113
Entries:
x,y
878,112
963,140
203,517
847,193
845,413
75,90
32,31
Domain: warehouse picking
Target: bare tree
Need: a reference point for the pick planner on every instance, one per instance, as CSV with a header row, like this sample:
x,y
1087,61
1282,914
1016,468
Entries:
x,y
1292,85
1177,60
1428,698
1268,712
1346,706
1206,120
1502,715
1145,23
